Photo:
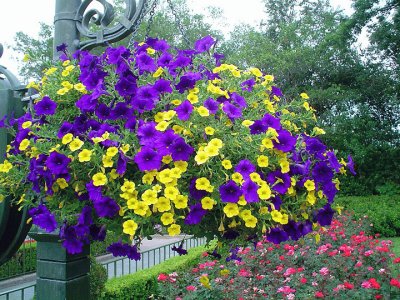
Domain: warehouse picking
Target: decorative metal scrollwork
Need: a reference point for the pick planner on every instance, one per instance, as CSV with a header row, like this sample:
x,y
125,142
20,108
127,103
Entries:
x,y
127,23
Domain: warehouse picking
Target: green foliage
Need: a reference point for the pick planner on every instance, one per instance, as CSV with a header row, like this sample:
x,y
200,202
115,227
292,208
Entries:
x,y
382,211
143,284
98,278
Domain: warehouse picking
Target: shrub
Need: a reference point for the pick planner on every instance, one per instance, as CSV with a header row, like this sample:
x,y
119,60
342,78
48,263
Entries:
x,y
143,284
383,212
98,278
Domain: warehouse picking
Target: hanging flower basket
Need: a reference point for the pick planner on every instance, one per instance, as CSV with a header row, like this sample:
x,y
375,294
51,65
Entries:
x,y
131,139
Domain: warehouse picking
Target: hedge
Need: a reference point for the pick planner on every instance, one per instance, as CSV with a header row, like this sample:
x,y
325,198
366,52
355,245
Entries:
x,y
143,284
382,211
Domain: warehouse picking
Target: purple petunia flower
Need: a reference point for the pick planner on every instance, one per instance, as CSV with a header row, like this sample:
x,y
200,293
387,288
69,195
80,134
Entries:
x,y
70,239
204,44
333,161
277,235
350,165
98,233
180,249
147,159
86,103
277,202
245,167
57,163
195,214
180,150
106,207
293,230
165,59
330,191
103,111
230,192
64,129
233,255
165,140
218,58
232,111
147,133
275,91
121,163
239,100
145,98
46,106
247,85
184,110
280,182
187,81
322,173
286,142
211,105
325,215
163,86
258,127
250,191
42,217
61,48
315,146
85,217
145,63
271,121
126,86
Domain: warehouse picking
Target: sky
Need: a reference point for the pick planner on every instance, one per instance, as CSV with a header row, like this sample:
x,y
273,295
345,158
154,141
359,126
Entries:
x,y
25,15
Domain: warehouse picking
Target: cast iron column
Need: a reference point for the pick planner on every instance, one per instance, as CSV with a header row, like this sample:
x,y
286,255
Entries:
x,y
65,30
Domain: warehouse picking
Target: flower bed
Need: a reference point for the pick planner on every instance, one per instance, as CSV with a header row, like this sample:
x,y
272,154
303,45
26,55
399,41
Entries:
x,y
341,262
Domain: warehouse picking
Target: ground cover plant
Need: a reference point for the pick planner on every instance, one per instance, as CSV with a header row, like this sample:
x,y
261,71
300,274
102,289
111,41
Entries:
x,y
341,262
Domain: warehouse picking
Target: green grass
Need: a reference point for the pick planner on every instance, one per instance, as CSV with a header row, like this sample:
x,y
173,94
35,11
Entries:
x,y
396,245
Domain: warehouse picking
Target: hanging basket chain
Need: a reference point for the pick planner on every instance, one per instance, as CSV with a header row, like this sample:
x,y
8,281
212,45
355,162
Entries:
x,y
147,6
178,23
151,18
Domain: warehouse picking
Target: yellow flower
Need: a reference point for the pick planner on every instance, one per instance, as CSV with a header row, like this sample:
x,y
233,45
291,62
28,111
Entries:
x,y
125,148
150,51
85,155
193,98
112,151
211,150
176,102
70,68
203,111
231,210
26,124
180,201
140,208
246,213
267,143
162,126
311,199
166,159
250,222
209,130
224,272
242,201
202,183
237,177
318,131
66,62
62,183
262,161
256,72
24,144
226,164
99,179
76,144
107,161
205,281
68,85
147,178
264,192
285,167
149,197
128,186
201,157
130,227
174,230
247,123
207,203
26,57
167,218
158,73
216,143
171,192
163,204
309,185
306,105
304,96
181,165
165,176
66,139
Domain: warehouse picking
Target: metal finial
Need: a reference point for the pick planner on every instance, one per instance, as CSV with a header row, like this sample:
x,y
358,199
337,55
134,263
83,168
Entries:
x,y
1,49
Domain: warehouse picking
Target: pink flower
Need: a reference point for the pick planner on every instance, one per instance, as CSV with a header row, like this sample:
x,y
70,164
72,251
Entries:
x,y
368,253
319,294
370,268
191,288
348,285
396,260
324,271
289,271
314,283
286,290
303,280
244,273
290,296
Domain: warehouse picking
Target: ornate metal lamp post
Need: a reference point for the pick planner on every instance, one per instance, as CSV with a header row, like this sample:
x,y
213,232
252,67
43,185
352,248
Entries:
x,y
60,275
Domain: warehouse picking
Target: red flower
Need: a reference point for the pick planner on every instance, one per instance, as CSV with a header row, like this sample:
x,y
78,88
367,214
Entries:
x,y
378,296
395,282
396,260
348,285
162,277
303,280
191,288
319,294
